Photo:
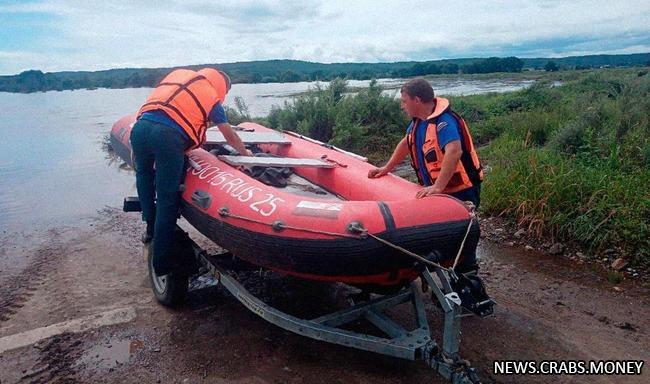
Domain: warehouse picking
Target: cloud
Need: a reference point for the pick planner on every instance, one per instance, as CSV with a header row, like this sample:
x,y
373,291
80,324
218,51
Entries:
x,y
16,55
91,35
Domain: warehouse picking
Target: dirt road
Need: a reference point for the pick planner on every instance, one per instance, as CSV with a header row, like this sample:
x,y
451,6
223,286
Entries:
x,y
85,286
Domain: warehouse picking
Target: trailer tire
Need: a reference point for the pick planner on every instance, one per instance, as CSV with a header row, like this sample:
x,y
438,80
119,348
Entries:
x,y
170,290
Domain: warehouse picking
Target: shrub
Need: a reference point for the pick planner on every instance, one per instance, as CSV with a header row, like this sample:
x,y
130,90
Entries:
x,y
570,138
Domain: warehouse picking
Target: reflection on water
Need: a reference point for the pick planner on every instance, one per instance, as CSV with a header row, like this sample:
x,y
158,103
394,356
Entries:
x,y
54,167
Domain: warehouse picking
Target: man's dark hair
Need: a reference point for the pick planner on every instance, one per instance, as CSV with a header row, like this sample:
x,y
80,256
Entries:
x,y
420,88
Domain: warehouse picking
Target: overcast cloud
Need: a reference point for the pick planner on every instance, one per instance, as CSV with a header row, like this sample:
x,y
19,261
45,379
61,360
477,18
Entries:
x,y
60,35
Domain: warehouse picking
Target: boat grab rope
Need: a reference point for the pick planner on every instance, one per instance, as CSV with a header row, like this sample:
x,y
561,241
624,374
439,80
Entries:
x,y
408,253
472,216
278,225
360,233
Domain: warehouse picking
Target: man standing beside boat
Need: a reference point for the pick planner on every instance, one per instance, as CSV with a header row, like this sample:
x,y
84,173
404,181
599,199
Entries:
x,y
173,121
440,145
441,149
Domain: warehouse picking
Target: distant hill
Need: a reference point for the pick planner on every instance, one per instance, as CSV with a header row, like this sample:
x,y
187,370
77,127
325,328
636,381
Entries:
x,y
592,61
296,70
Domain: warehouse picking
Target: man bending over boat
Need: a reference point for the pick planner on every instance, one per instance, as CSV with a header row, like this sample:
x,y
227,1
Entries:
x,y
173,121
440,145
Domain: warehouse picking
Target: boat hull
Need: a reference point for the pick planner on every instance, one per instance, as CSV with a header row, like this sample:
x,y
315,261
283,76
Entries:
x,y
310,237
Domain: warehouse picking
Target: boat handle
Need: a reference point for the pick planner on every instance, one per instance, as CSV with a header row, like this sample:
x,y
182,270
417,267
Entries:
x,y
201,198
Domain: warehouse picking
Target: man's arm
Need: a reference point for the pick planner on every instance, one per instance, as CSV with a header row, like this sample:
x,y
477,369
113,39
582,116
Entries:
x,y
400,152
453,151
233,139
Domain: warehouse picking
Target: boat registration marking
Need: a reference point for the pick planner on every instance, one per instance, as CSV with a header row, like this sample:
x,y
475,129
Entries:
x,y
234,186
318,209
319,205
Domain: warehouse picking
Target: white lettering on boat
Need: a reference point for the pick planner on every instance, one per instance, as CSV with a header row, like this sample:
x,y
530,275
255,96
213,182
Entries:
x,y
200,163
234,186
250,191
232,183
233,194
219,178
208,172
270,200
273,203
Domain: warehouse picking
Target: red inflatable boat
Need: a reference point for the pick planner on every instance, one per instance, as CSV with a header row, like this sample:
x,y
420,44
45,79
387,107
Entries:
x,y
316,226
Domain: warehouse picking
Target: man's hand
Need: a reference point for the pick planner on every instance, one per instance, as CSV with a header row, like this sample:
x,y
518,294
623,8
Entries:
x,y
233,139
428,191
248,153
377,172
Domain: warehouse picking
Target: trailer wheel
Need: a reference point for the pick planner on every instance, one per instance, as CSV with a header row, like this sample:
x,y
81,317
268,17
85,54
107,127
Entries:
x,y
170,290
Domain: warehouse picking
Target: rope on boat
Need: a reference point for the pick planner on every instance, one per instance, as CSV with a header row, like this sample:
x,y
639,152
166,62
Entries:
x,y
278,225
408,253
472,216
361,233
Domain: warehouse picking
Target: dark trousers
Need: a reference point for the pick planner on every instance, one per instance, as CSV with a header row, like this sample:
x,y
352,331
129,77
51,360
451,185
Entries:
x,y
158,188
472,194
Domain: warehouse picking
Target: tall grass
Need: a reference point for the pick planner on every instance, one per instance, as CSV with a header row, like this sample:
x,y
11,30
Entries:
x,y
575,166
570,161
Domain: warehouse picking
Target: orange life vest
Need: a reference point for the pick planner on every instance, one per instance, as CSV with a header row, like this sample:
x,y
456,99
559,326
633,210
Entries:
x,y
468,171
188,97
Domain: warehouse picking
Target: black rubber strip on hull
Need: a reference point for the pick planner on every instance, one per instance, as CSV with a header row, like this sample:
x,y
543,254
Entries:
x,y
336,256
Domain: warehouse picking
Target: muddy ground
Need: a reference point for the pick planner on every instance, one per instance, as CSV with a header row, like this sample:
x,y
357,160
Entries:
x,y
549,308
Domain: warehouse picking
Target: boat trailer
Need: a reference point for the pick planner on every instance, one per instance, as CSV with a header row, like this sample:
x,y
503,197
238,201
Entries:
x,y
414,344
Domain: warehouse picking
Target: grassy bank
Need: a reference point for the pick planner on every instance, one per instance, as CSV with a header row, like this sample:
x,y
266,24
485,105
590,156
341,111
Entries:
x,y
570,161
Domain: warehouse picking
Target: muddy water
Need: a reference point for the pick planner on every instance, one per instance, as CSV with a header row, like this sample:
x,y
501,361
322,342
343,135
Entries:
x,y
110,353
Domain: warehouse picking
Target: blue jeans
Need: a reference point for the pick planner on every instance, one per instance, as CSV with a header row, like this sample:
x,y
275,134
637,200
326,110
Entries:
x,y
158,189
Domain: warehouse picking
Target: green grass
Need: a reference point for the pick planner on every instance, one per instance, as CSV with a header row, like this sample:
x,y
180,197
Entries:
x,y
614,277
573,162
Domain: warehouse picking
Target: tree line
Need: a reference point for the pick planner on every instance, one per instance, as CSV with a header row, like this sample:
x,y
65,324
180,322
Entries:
x,y
285,71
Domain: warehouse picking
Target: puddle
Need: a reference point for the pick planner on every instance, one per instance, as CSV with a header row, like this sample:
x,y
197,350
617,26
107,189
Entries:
x,y
110,354
202,282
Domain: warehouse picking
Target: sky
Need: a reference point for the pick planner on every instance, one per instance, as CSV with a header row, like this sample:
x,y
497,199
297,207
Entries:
x,y
63,35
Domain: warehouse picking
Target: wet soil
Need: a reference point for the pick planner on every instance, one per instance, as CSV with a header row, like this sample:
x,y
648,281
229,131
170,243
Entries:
x,y
549,308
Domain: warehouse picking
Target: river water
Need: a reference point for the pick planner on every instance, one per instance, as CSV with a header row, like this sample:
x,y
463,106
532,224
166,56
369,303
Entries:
x,y
53,165
260,98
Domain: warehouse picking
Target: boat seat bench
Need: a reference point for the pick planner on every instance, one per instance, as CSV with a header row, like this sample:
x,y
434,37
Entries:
x,y
252,161
216,137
